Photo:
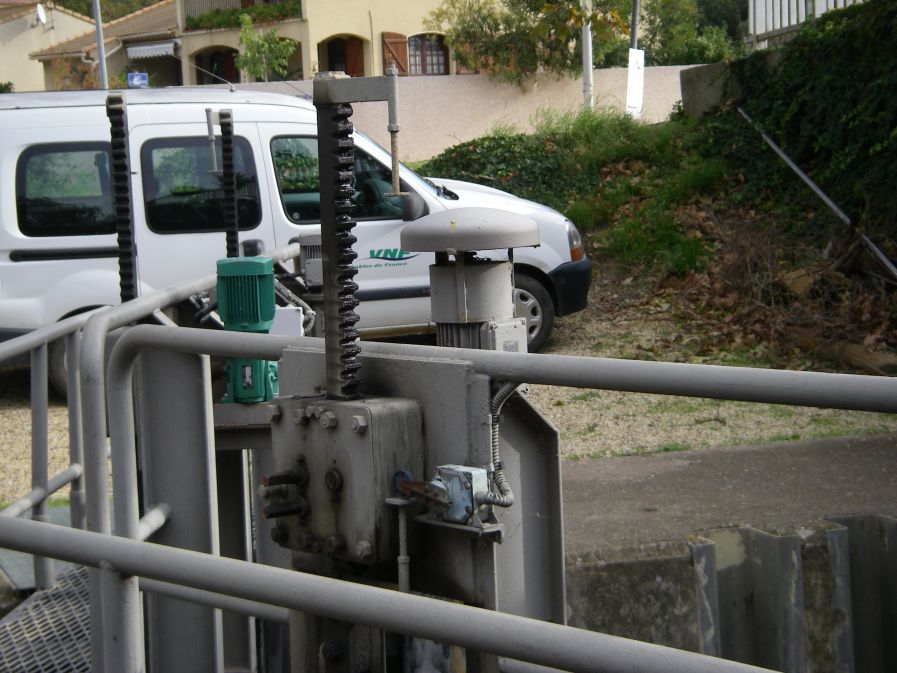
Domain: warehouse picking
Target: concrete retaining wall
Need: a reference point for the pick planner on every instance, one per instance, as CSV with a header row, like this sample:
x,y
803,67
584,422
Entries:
x,y
438,112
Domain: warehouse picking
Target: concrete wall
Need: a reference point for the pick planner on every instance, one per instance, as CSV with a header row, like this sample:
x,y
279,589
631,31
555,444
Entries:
x,y
438,112
18,38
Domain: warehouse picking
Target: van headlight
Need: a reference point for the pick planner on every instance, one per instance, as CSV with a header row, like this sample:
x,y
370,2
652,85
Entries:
x,y
574,238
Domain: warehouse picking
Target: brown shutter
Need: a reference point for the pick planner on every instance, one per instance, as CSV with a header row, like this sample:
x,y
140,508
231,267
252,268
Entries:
x,y
354,57
395,50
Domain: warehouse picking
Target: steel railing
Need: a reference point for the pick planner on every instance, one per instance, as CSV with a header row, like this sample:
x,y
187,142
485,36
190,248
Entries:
x,y
124,563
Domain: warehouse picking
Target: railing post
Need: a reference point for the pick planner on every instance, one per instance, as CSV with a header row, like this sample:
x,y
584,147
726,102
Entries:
x,y
76,446
44,573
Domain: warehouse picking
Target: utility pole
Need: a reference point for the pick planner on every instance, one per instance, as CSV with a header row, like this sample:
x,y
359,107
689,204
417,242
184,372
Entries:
x,y
635,81
101,47
587,74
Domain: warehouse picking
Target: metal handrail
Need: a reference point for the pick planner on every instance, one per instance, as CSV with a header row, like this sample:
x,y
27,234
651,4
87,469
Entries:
x,y
522,638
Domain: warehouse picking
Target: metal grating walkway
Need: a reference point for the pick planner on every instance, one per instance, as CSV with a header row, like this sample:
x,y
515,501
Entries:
x,y
50,631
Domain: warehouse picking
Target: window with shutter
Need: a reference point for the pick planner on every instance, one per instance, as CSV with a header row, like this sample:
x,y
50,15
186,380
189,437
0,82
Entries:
x,y
427,55
395,51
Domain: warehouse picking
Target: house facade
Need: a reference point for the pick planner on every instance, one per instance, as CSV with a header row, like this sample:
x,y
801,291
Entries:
x,y
23,29
356,36
144,41
197,41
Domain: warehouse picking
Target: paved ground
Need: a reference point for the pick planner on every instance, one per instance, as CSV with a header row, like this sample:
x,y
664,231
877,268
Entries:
x,y
630,501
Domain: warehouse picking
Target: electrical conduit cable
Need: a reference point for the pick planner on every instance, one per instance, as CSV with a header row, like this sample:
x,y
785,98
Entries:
x,y
505,496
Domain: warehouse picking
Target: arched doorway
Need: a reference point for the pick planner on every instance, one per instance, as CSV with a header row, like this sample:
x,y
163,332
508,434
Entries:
x,y
343,53
214,63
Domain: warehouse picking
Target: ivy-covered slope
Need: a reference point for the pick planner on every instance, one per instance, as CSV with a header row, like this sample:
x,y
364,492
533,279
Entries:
x,y
831,103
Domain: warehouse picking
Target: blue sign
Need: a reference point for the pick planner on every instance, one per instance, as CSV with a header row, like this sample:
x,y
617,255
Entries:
x,y
138,80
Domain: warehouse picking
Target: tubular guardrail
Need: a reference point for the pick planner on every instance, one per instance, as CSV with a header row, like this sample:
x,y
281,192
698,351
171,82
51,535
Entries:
x,y
124,564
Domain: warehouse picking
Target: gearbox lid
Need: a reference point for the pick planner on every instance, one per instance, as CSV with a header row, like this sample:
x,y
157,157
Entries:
x,y
470,229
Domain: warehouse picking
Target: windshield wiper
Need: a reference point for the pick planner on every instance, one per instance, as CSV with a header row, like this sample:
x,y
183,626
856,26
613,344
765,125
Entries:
x,y
442,190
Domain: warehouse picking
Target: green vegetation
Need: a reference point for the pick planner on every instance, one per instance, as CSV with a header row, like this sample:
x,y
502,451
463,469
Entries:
x,y
830,103
6,87
601,169
230,18
263,53
632,188
513,39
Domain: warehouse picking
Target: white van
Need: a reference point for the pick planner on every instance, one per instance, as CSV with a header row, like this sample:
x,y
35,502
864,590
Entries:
x,y
57,240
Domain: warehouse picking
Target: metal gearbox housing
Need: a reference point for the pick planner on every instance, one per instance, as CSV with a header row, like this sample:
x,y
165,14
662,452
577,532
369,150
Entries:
x,y
335,467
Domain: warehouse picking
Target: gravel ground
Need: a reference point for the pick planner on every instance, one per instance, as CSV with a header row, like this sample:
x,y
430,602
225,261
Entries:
x,y
593,424
15,435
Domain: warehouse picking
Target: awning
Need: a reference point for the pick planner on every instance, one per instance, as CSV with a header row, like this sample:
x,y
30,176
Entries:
x,y
152,49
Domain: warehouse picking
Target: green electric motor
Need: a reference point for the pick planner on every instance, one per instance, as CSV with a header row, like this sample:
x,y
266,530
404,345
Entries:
x,y
246,304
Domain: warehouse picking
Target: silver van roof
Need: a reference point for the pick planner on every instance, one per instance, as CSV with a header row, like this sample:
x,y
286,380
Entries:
x,y
163,96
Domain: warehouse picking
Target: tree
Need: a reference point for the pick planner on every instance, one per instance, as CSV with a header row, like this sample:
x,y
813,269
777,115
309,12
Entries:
x,y
263,54
513,39
679,32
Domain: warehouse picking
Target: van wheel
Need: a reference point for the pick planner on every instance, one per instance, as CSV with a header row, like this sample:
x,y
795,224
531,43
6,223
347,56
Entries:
x,y
57,371
532,301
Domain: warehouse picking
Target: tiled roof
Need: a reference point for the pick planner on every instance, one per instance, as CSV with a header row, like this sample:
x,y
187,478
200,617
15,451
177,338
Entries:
x,y
157,21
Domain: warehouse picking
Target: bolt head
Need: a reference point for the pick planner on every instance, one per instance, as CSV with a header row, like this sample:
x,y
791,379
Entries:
x,y
328,420
333,480
359,424
299,417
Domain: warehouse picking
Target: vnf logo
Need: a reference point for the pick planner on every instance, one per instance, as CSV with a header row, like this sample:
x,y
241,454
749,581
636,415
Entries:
x,y
391,254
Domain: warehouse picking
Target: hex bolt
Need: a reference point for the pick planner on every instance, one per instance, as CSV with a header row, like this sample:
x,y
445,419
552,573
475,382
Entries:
x,y
364,550
276,413
268,492
329,420
333,480
359,424
299,507
296,477
299,417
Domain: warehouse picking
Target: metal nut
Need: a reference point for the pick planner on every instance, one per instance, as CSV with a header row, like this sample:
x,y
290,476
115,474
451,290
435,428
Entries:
x,y
299,417
328,419
359,424
333,480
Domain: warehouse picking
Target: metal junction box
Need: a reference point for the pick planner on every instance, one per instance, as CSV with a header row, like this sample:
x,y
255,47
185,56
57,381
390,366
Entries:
x,y
337,462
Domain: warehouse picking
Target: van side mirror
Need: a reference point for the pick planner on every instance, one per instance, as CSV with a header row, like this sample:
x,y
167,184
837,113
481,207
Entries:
x,y
413,206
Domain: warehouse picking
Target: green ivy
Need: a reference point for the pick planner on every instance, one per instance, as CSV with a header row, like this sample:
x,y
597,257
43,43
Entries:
x,y
230,18
6,87
827,97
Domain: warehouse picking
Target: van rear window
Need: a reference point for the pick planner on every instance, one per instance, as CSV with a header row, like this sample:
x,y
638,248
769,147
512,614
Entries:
x,y
183,195
63,189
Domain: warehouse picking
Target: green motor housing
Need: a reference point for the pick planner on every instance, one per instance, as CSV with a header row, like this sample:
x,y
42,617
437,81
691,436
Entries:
x,y
246,304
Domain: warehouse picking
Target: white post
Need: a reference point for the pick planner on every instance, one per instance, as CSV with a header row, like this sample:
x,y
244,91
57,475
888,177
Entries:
x,y
101,47
587,74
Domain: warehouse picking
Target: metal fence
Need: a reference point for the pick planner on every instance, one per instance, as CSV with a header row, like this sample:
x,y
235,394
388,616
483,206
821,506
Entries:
x,y
768,19
111,540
